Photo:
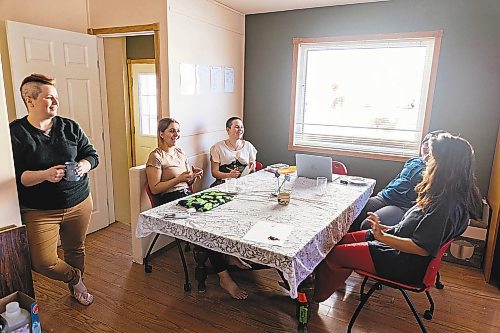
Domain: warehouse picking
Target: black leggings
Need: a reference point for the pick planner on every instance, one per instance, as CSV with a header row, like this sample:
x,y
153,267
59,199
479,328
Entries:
x,y
174,195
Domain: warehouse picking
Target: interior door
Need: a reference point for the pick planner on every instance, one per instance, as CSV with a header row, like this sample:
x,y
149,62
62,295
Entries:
x,y
72,59
144,109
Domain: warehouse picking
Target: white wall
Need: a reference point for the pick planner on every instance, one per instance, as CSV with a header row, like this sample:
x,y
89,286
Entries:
x,y
202,32
9,205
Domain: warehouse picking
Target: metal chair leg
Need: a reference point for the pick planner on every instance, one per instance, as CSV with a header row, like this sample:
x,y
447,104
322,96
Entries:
x,y
187,285
439,284
410,304
362,293
361,304
429,313
147,267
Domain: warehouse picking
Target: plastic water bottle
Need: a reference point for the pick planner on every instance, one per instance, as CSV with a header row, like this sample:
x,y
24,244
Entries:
x,y
303,310
18,320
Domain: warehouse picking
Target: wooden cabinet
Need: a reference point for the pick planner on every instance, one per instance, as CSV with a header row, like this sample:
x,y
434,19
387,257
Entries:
x,y
15,262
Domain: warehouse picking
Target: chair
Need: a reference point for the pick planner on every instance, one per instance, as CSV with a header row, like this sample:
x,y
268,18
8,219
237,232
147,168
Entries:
x,y
427,282
155,201
339,168
258,166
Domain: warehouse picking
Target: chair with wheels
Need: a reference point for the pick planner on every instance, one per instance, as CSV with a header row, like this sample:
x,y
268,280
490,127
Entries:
x,y
339,168
155,201
427,282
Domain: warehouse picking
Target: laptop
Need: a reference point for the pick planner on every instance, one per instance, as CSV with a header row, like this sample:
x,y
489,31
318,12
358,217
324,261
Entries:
x,y
312,166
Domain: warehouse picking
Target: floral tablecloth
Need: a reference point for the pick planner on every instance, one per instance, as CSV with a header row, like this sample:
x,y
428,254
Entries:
x,y
319,222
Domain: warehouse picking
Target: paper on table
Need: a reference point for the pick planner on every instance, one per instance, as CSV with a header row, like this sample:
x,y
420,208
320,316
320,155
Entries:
x,y
268,233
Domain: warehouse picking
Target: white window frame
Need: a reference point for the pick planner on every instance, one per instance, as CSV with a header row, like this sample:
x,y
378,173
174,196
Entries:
x,y
150,117
349,146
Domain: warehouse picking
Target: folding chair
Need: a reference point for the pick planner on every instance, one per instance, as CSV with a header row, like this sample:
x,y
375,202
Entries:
x,y
258,166
427,282
339,168
155,201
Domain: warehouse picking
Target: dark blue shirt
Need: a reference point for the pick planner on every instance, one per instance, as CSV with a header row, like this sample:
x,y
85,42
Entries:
x,y
401,190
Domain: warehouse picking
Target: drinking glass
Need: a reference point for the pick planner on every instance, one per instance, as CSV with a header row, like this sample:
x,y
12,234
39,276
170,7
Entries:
x,y
321,185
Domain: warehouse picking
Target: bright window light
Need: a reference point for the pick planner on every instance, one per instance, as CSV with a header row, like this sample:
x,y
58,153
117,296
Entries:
x,y
147,104
362,97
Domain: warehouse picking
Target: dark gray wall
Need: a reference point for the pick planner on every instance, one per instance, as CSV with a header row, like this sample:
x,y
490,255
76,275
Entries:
x,y
466,99
141,47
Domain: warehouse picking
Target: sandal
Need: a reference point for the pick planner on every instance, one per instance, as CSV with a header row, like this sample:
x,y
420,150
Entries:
x,y
82,296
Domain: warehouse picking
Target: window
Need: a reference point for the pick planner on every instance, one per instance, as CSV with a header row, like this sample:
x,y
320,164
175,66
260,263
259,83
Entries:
x,y
363,96
147,104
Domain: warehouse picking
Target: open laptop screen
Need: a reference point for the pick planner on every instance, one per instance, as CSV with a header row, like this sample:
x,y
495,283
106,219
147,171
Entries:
x,y
312,166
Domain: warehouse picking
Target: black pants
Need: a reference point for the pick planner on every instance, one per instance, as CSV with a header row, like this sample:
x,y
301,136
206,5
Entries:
x,y
174,195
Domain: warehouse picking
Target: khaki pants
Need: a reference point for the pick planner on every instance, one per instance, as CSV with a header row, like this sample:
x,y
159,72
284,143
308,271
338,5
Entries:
x,y
44,227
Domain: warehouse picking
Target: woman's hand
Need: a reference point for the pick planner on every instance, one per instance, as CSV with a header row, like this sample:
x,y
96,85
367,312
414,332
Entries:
x,y
55,173
198,173
185,177
235,173
377,228
251,166
83,167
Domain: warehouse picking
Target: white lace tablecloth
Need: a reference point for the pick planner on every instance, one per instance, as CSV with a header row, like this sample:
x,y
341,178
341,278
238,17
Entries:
x,y
319,222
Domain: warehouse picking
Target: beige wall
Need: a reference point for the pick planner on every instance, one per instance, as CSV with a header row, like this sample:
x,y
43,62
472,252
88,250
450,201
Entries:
x,y
204,33
116,13
119,129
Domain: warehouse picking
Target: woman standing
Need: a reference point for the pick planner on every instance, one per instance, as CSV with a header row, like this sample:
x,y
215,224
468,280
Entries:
x,y
51,206
167,168
447,198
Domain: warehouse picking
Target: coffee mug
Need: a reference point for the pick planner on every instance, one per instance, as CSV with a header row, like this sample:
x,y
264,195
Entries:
x,y
71,175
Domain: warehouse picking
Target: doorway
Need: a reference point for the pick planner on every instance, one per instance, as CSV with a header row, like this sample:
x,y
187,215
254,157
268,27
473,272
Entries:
x,y
115,75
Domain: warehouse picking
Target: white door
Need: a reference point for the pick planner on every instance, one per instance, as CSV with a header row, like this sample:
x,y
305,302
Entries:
x,y
144,110
71,58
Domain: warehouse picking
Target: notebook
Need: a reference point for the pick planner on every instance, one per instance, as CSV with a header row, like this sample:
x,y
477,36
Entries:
x,y
312,166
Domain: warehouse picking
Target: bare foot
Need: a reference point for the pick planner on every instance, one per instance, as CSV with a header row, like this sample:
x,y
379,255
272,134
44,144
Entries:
x,y
233,261
228,284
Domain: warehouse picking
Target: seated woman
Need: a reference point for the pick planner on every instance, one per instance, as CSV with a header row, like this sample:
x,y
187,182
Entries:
x,y
167,168
447,197
399,195
228,159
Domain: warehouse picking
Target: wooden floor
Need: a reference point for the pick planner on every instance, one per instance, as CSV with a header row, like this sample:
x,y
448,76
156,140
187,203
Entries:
x,y
129,300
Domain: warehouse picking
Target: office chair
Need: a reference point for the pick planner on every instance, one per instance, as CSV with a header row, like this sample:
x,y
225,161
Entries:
x,y
427,282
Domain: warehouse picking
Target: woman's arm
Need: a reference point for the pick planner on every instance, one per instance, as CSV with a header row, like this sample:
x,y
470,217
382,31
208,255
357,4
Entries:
x,y
157,186
53,175
398,243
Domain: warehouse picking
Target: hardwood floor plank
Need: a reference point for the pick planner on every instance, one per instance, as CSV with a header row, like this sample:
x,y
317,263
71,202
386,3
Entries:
x,y
129,300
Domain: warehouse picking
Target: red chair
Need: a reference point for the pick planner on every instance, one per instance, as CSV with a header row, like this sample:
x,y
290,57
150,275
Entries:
x,y
155,201
339,168
427,282
258,166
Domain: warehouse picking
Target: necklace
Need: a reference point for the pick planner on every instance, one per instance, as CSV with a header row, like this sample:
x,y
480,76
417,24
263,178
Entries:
x,y
234,147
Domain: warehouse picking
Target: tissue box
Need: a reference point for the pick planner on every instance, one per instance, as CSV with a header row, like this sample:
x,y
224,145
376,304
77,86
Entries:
x,y
468,249
26,302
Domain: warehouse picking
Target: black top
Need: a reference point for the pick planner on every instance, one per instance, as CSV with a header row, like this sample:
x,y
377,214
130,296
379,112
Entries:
x,y
33,150
429,229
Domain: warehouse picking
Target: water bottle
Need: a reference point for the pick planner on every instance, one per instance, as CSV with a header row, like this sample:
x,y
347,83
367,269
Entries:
x,y
303,310
18,320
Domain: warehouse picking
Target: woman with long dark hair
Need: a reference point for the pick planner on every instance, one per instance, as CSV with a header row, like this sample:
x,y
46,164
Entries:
x,y
447,198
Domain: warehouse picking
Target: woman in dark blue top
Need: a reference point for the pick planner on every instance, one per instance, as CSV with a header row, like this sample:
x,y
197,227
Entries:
x,y
447,197
399,195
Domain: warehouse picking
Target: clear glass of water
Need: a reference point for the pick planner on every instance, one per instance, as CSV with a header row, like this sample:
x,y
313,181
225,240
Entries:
x,y
321,185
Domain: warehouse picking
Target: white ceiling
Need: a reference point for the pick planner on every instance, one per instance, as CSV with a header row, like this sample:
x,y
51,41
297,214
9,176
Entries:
x,y
266,6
